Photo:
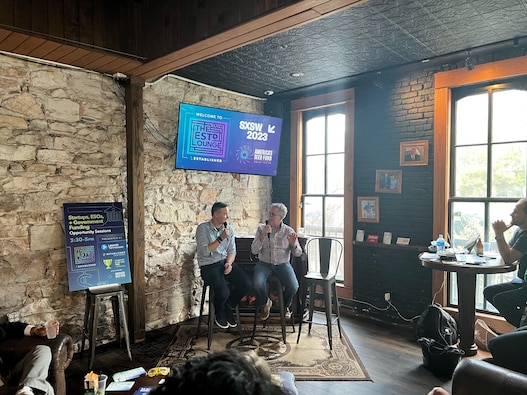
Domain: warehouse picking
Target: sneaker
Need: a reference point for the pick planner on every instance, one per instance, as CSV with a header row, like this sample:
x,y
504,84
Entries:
x,y
288,313
231,321
266,309
221,322
25,390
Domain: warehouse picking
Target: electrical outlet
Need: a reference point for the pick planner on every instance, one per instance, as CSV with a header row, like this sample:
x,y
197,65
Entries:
x,y
387,296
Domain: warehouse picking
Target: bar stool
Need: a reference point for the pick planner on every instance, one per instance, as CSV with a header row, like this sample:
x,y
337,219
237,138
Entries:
x,y
94,297
273,282
324,256
212,315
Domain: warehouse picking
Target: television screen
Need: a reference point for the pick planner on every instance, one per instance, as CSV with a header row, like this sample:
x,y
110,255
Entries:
x,y
213,139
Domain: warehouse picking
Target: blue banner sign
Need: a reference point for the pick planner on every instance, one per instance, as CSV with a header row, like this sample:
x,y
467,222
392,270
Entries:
x,y
96,249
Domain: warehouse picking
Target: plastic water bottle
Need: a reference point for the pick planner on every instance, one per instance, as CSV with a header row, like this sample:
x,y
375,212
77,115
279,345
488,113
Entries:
x,y
440,244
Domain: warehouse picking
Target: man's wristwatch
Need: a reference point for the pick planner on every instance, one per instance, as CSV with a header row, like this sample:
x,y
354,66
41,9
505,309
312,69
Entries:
x,y
219,239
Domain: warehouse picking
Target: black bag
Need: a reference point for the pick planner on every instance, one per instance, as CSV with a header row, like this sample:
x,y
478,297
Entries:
x,y
435,323
439,358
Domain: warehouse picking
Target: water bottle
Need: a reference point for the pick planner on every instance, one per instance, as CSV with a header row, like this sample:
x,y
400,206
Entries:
x,y
440,244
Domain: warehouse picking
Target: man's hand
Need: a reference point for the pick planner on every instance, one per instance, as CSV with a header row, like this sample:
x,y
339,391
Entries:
x,y
227,268
38,331
291,237
500,227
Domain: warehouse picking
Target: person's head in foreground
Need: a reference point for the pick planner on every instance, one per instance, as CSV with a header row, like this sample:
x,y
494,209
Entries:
x,y
224,372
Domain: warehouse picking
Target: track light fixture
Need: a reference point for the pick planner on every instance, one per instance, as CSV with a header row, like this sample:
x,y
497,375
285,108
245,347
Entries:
x,y
469,62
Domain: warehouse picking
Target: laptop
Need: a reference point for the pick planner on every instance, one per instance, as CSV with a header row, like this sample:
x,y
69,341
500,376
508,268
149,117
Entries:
x,y
471,243
466,256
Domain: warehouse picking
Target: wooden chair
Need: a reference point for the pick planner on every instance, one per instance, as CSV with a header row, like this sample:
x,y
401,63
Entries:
x,y
323,257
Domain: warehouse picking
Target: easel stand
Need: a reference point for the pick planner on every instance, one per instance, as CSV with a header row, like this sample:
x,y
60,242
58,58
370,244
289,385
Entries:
x,y
94,296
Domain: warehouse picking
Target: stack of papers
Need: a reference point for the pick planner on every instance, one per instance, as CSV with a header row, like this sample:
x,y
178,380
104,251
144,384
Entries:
x,y
470,259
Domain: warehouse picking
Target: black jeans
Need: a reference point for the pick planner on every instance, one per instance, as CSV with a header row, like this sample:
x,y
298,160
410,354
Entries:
x,y
509,298
228,289
510,350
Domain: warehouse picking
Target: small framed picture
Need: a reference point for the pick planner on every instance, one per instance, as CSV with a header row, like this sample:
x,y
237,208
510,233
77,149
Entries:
x,y
403,241
372,239
360,235
388,181
414,153
387,238
368,209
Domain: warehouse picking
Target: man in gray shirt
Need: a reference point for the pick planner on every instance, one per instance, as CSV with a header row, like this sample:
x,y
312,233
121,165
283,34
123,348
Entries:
x,y
216,251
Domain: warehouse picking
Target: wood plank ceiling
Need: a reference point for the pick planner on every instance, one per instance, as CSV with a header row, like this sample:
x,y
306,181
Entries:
x,y
147,38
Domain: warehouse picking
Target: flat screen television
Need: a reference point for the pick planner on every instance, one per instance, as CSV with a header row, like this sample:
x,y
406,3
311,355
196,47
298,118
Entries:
x,y
213,139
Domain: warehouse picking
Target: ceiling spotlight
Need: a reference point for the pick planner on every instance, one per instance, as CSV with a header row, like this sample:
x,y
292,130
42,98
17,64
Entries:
x,y
269,93
469,62
296,74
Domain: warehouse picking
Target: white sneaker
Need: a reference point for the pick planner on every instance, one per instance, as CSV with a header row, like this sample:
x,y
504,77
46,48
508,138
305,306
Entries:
x,y
25,390
288,313
266,309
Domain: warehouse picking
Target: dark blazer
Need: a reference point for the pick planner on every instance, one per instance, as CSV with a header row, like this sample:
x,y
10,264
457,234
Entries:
x,y
10,330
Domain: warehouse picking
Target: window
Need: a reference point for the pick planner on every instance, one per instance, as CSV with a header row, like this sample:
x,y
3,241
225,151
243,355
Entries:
x,y
321,188
323,194
489,158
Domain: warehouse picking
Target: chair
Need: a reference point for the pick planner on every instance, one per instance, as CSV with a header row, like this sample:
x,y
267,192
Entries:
x,y
323,258
211,316
14,349
273,283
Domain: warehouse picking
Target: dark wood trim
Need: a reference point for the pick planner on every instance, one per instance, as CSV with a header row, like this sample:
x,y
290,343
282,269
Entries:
x,y
136,209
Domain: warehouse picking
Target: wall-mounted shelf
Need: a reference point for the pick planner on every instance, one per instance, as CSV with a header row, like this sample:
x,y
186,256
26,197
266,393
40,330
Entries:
x,y
390,246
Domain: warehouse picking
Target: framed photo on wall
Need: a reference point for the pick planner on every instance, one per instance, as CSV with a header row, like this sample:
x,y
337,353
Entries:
x,y
388,181
368,209
414,153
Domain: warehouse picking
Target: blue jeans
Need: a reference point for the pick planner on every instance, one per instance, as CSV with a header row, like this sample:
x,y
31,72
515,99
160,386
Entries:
x,y
228,289
283,271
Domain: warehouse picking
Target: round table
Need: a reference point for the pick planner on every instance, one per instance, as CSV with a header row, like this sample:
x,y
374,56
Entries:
x,y
466,288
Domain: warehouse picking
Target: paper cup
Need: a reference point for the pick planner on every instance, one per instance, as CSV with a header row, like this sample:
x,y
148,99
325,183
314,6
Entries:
x,y
52,329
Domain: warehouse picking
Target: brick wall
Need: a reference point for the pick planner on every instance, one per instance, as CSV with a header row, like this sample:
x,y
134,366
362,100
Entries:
x,y
398,109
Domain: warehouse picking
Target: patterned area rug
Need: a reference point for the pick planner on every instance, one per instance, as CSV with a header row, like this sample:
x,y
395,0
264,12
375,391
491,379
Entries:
x,y
311,359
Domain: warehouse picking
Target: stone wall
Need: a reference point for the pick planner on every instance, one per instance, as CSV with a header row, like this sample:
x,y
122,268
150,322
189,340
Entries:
x,y
62,139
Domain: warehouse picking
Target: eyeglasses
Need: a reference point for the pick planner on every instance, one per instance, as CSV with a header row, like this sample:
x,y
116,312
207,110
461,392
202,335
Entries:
x,y
274,214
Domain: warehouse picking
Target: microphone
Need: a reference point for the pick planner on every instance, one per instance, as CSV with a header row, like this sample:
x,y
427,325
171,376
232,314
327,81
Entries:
x,y
225,225
269,233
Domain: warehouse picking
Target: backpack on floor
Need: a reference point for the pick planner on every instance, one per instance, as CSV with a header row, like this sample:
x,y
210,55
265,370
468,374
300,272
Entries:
x,y
435,323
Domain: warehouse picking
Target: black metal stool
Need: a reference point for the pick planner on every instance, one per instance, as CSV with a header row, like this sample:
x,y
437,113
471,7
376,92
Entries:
x,y
94,297
212,315
273,282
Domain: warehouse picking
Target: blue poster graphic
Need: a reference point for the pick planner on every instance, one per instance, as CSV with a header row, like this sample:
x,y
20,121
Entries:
x,y
227,141
96,249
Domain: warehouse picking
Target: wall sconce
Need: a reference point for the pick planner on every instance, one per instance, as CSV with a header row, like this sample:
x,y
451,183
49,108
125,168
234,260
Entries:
x,y
470,63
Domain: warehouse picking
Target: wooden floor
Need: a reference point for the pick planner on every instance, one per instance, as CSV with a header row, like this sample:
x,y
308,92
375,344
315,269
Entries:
x,y
390,354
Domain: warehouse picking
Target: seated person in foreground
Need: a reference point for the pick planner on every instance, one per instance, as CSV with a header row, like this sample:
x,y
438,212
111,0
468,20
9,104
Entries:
x,y
224,372
510,350
32,371
510,298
